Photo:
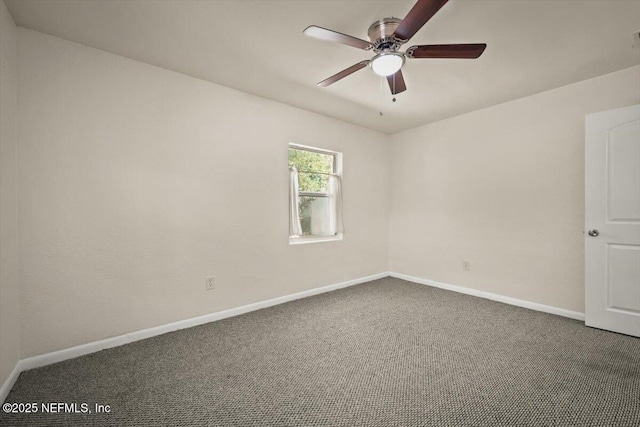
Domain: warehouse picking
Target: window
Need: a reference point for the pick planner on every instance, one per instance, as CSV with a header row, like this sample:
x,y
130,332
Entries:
x,y
315,211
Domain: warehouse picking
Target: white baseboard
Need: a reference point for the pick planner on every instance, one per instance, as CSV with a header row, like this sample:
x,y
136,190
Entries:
x,y
8,384
92,347
495,297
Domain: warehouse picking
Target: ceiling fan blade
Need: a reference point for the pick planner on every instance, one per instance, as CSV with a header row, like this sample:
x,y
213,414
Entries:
x,y
344,73
421,12
396,83
462,51
334,36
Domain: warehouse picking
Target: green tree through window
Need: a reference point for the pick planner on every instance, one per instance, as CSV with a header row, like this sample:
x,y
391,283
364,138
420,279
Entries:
x,y
313,169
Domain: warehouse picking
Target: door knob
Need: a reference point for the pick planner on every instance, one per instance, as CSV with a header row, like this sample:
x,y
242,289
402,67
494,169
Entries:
x,y
593,232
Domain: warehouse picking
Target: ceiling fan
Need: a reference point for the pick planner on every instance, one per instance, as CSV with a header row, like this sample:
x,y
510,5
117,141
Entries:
x,y
386,36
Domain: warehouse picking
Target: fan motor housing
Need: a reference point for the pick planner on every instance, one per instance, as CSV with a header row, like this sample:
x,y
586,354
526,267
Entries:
x,y
381,34
383,28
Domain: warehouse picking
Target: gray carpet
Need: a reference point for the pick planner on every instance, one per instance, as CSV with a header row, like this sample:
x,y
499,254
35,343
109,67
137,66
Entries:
x,y
384,353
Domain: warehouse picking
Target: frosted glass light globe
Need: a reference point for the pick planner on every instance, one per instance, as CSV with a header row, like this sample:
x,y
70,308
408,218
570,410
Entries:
x,y
387,64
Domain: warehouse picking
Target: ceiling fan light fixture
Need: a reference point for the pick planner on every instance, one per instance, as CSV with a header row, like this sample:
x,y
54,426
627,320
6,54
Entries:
x,y
386,64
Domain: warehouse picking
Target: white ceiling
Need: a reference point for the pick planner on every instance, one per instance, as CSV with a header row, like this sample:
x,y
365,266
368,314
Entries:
x,y
258,47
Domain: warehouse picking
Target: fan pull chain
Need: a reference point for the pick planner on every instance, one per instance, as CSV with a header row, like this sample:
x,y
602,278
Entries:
x,y
381,91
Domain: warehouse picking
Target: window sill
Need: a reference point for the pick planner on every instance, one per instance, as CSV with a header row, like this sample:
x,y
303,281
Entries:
x,y
307,240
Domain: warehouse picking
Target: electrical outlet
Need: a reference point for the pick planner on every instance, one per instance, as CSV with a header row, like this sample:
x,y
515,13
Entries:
x,y
466,265
636,39
210,283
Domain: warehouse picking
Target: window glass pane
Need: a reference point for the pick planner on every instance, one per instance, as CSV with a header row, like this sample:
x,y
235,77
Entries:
x,y
312,169
314,216
313,182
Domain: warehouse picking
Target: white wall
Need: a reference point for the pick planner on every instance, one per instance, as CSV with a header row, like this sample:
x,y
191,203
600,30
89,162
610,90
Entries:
x,y
137,182
9,287
502,187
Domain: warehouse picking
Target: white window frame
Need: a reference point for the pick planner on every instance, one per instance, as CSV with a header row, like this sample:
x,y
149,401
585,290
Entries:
x,y
337,169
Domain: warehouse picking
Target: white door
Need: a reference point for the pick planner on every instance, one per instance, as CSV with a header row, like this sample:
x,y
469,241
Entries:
x,y
612,220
